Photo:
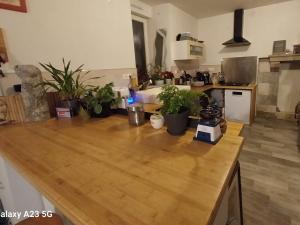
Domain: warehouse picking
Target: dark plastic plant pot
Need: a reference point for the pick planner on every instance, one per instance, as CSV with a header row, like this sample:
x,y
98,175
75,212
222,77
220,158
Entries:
x,y
73,105
177,123
106,111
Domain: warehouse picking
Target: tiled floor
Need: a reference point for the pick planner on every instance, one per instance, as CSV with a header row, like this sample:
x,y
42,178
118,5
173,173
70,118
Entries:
x,y
270,170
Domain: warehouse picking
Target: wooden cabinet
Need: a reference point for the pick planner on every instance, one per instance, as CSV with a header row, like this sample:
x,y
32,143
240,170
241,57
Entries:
x,y
230,210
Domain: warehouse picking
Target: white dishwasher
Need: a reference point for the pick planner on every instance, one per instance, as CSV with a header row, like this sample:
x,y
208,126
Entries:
x,y
237,105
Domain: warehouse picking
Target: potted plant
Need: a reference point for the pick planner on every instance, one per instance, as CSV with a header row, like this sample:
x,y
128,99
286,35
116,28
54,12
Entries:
x,y
177,106
67,83
168,77
98,101
154,72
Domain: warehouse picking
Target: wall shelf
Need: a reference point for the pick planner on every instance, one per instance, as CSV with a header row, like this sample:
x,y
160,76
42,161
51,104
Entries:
x,y
284,58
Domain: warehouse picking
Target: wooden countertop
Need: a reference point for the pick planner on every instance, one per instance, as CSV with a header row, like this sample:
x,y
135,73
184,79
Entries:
x,y
209,87
153,108
105,172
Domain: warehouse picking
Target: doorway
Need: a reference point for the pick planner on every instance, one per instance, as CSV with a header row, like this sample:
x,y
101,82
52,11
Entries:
x,y
139,27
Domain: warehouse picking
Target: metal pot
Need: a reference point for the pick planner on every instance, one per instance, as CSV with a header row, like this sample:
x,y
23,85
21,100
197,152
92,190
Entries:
x,y
136,114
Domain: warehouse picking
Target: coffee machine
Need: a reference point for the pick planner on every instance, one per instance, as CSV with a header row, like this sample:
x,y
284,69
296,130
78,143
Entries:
x,y
203,76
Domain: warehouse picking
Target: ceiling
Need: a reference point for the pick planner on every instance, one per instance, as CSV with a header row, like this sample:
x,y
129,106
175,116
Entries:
x,y
207,8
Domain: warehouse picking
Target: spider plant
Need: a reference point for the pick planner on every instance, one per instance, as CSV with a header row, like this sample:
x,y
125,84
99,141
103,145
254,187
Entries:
x,y
67,82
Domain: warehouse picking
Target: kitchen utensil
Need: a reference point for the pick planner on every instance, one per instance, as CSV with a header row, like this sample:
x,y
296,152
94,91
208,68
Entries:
x,y
157,121
136,114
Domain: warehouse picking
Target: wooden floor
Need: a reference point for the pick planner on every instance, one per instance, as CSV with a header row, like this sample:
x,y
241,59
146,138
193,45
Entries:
x,y
270,170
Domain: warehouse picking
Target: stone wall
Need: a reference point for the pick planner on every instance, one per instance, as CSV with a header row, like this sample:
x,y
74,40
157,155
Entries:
x,y
278,89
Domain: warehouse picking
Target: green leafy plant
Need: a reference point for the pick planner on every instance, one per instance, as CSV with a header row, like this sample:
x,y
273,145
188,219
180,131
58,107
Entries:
x,y
67,82
175,100
154,72
96,97
167,75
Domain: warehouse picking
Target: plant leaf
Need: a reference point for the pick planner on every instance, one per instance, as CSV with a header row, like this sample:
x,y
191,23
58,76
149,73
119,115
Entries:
x,y
98,108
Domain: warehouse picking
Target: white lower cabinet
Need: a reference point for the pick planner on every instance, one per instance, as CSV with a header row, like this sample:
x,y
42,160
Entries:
x,y
238,105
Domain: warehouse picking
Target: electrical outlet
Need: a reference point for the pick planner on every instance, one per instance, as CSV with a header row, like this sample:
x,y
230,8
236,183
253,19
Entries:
x,y
126,76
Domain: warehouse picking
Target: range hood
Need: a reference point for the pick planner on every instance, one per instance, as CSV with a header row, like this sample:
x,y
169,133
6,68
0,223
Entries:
x,y
237,39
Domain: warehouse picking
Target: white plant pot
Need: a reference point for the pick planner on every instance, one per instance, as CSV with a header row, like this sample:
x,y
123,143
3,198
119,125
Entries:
x,y
159,82
168,81
157,121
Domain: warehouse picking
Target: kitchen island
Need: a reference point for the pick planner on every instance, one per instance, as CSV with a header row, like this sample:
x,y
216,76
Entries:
x,y
104,171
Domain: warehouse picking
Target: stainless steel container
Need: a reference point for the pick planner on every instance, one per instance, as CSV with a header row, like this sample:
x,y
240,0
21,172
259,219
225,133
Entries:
x,y
136,114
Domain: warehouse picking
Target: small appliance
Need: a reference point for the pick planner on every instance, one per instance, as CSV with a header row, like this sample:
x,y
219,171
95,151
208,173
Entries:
x,y
203,76
200,76
206,78
208,129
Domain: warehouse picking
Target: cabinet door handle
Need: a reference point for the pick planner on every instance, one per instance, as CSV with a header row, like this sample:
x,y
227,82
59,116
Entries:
x,y
237,93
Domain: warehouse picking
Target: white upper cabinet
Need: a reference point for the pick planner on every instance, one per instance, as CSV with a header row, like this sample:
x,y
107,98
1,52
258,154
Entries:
x,y
187,50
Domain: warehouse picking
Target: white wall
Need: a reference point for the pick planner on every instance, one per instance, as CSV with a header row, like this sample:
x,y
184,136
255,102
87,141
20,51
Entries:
x,y
262,26
140,8
174,21
95,33
161,19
